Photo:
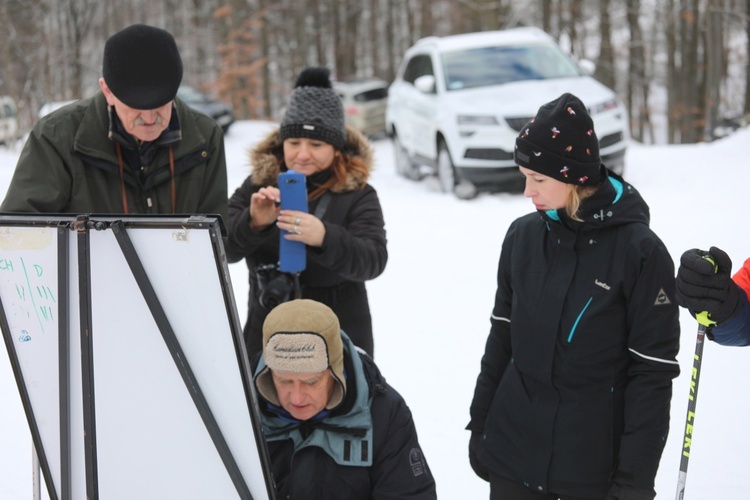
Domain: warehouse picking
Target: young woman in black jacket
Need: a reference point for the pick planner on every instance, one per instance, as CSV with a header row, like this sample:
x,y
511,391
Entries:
x,y
574,392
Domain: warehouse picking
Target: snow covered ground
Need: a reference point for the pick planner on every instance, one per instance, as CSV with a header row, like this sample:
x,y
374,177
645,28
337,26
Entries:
x,y
432,304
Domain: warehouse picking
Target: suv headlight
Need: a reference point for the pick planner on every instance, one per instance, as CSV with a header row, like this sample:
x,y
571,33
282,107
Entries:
x,y
605,106
476,120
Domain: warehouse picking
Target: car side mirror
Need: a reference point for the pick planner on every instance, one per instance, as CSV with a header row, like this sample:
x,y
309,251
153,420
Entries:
x,y
425,84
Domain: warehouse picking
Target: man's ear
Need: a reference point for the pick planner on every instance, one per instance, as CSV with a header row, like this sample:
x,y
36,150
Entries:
x,y
108,95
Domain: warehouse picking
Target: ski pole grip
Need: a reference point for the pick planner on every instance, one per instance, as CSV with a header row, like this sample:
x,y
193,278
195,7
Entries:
x,y
702,317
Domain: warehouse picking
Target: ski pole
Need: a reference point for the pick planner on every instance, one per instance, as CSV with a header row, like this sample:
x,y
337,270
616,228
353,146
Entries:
x,y
703,323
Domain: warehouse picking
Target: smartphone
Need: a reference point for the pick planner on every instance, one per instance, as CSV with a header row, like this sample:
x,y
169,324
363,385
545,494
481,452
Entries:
x,y
293,187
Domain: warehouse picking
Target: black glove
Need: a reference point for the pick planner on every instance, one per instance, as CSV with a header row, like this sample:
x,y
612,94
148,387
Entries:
x,y
701,287
617,492
474,444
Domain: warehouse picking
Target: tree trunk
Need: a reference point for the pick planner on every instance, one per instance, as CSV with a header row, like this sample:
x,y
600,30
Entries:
x,y
605,66
714,66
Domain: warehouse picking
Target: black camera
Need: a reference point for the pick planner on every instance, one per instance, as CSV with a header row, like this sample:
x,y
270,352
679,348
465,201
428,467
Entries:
x,y
275,286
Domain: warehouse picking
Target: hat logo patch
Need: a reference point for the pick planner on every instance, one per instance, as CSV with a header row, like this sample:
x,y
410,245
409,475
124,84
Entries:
x,y
522,156
303,348
537,153
308,127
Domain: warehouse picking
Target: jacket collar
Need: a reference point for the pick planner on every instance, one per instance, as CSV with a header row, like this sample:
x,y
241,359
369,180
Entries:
x,y
92,140
350,422
169,137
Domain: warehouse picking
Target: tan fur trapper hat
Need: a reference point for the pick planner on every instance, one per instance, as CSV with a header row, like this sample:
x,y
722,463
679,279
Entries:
x,y
302,336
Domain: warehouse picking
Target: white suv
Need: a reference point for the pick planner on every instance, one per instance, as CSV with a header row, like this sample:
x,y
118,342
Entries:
x,y
458,103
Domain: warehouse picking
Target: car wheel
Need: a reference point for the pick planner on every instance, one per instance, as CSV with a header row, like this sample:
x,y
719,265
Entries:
x,y
404,166
445,171
465,190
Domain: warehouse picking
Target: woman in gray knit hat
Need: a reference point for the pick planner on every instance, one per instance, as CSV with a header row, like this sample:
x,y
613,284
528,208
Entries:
x,y
344,231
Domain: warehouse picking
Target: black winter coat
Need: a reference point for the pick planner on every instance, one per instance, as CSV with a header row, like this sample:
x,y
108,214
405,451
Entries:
x,y
353,251
399,470
576,380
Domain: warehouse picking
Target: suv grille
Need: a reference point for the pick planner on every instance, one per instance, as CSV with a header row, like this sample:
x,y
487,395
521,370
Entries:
x,y
518,123
487,154
610,139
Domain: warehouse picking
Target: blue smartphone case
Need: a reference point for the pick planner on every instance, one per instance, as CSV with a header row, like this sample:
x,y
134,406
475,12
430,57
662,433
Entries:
x,y
292,254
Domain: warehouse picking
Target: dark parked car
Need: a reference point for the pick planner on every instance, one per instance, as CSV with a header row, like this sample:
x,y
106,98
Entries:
x,y
221,112
364,102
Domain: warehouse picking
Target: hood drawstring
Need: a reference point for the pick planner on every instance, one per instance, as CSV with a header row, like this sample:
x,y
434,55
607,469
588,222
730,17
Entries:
x,y
122,179
171,179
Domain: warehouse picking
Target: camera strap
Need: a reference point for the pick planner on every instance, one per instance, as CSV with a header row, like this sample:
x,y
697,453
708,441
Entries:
x,y
320,210
297,286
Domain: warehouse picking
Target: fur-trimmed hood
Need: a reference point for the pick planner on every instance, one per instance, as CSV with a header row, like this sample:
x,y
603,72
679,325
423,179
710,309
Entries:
x,y
266,155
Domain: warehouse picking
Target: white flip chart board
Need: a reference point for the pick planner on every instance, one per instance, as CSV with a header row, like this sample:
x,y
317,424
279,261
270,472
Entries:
x,y
129,357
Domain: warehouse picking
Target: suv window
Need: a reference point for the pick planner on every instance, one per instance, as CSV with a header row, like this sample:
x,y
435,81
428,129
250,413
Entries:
x,y
497,65
372,95
419,65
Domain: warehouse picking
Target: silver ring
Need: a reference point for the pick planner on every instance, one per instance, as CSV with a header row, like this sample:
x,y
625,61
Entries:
x,y
296,221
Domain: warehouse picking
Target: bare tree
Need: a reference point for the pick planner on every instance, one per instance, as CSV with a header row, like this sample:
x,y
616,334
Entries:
x,y
714,65
605,66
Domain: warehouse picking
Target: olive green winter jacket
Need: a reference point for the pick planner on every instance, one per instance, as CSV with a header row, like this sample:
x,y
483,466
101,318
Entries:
x,y
70,165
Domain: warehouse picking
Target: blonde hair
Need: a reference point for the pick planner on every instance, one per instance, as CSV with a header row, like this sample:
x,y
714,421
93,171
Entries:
x,y
577,195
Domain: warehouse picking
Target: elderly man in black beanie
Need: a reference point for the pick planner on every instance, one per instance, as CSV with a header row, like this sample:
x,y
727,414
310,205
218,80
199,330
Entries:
x,y
334,427
572,400
133,148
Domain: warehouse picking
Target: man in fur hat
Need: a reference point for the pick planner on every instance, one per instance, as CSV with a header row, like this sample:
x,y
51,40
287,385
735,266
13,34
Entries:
x,y
335,429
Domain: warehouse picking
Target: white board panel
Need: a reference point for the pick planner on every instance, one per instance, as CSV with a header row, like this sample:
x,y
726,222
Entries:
x,y
154,436
29,294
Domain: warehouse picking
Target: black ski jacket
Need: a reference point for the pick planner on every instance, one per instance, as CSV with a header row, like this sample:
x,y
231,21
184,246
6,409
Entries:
x,y
576,380
305,471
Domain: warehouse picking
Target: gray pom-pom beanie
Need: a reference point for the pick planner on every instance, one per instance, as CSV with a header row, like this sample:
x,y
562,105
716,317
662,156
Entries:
x,y
315,110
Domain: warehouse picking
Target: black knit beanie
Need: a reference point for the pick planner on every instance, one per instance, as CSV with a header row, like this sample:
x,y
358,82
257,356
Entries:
x,y
560,142
315,111
142,66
